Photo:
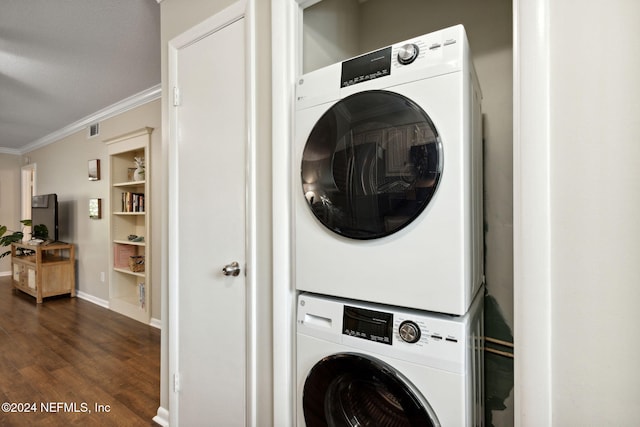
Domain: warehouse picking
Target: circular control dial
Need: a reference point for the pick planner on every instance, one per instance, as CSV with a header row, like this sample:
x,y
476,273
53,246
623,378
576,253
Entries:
x,y
408,53
409,331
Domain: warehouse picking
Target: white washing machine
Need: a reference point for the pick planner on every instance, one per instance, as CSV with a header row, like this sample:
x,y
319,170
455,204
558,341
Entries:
x,y
388,176
361,364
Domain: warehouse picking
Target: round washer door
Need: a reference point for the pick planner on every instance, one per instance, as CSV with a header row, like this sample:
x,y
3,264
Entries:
x,y
371,164
349,390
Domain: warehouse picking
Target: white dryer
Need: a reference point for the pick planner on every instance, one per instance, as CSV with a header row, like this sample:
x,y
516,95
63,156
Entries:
x,y
388,176
361,364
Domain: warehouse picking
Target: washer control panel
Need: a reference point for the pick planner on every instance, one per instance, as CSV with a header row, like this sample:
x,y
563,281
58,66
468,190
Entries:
x,y
382,327
439,340
368,324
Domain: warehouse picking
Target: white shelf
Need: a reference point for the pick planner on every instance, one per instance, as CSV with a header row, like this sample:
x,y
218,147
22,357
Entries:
x,y
129,213
125,271
129,184
129,242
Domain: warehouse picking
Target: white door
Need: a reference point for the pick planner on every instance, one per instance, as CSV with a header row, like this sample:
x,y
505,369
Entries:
x,y
207,230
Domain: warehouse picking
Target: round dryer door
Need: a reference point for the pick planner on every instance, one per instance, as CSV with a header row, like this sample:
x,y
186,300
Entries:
x,y
349,390
371,164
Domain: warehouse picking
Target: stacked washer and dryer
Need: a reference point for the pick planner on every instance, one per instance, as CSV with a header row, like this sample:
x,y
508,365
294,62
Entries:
x,y
389,238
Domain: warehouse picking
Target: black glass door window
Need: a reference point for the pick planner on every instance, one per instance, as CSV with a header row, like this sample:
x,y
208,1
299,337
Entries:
x,y
352,390
371,164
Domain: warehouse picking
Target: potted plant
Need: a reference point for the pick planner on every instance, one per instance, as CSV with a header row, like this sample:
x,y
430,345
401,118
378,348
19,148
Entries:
x,y
138,174
7,237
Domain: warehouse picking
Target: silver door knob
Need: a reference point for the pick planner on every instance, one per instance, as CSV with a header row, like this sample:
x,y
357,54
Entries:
x,y
232,269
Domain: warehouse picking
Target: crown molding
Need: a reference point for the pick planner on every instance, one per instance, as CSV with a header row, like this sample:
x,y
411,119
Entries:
x,y
4,150
126,104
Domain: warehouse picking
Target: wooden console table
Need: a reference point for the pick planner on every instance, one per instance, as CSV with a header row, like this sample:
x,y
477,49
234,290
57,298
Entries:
x,y
44,270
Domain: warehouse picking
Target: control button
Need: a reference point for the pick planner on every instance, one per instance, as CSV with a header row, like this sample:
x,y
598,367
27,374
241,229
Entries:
x,y
434,46
409,331
449,41
408,53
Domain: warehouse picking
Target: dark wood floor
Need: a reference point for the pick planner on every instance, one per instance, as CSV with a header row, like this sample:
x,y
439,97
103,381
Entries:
x,y
65,357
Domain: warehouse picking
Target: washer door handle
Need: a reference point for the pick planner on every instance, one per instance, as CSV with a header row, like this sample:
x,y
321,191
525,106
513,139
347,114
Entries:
x,y
232,269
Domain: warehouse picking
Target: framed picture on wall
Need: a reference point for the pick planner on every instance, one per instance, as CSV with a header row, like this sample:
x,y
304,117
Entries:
x,y
95,208
94,170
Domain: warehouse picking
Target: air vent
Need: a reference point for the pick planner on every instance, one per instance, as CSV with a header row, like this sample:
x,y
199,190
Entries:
x,y
94,130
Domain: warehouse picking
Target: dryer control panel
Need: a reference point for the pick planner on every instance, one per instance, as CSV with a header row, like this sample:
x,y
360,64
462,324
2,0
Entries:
x,y
430,55
435,48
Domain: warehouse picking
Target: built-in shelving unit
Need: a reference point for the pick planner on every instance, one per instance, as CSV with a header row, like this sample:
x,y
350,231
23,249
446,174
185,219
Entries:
x,y
129,225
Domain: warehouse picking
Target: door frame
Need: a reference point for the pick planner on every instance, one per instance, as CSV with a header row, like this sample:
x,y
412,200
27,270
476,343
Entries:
x,y
27,190
531,191
238,10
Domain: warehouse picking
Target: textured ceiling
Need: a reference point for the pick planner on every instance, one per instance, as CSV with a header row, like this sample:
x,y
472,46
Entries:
x,y
64,60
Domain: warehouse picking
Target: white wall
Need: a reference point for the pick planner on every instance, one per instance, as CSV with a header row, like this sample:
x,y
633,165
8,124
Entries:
x,y
595,212
577,222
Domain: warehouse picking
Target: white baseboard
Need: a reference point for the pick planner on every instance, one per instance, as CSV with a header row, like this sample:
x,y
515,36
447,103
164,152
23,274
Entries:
x,y
162,417
88,297
156,323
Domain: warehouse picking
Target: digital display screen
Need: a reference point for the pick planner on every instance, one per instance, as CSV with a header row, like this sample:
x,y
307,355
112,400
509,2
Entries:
x,y
366,67
368,324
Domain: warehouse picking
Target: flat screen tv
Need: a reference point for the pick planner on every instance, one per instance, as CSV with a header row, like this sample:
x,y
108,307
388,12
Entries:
x,y
44,217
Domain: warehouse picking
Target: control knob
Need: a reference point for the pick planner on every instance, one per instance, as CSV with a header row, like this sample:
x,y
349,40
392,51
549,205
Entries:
x,y
409,331
408,53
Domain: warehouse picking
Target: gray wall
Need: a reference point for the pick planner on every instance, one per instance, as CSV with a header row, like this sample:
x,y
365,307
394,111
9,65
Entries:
x,y
62,168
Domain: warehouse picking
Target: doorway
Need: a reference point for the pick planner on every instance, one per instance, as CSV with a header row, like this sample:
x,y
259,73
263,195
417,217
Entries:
x,y
28,190
364,26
